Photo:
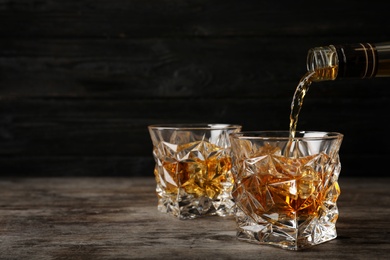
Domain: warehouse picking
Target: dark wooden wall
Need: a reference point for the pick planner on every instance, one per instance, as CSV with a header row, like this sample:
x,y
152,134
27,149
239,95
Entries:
x,y
80,80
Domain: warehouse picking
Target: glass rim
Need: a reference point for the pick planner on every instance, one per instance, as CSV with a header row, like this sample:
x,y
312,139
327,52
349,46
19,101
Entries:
x,y
284,135
193,126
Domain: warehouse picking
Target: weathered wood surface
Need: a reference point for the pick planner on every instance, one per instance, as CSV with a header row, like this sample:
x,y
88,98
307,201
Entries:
x,y
117,218
80,80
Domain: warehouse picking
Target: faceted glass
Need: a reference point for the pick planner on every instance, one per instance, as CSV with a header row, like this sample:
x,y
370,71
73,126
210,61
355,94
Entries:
x,y
285,189
193,169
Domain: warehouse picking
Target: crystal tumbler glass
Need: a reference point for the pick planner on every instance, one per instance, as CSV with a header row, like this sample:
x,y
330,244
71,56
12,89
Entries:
x,y
285,189
193,169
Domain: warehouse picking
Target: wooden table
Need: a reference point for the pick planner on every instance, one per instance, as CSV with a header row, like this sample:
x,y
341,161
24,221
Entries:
x,y
117,218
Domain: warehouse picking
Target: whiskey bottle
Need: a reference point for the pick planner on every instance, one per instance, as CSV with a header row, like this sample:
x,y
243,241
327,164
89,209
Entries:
x,y
360,60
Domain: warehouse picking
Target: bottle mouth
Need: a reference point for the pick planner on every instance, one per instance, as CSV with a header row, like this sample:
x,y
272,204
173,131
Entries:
x,y
321,58
323,62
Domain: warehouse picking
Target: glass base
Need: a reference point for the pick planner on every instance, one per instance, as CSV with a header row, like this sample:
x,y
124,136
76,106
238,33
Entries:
x,y
187,206
287,234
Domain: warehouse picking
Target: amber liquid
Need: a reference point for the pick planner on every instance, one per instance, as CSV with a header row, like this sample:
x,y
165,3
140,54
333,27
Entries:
x,y
290,187
204,173
301,90
297,196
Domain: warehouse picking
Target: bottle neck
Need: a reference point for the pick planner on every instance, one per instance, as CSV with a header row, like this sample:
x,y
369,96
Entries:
x,y
357,60
361,60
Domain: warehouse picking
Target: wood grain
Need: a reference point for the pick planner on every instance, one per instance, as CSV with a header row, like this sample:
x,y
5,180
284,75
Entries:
x,y
117,218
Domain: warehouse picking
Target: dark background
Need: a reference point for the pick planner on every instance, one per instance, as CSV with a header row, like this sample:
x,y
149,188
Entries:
x,y
80,81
